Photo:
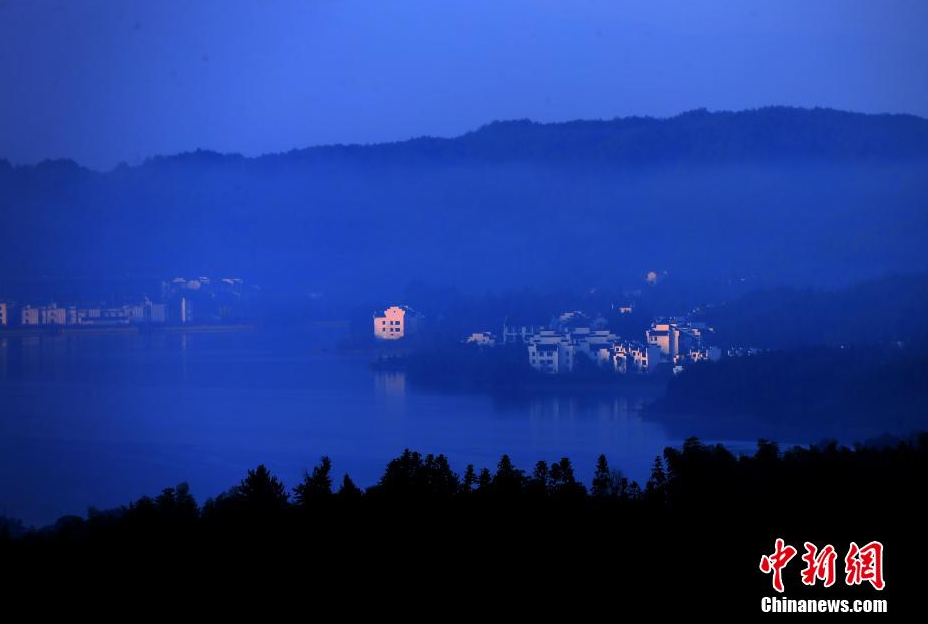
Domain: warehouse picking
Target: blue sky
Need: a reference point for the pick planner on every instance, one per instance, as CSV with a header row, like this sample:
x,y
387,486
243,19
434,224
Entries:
x,y
104,81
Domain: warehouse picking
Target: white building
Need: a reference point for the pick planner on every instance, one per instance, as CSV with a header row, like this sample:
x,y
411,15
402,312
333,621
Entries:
x,y
555,351
551,352
146,312
666,337
517,333
159,313
596,344
708,354
186,311
634,357
395,323
47,315
103,316
481,339
676,338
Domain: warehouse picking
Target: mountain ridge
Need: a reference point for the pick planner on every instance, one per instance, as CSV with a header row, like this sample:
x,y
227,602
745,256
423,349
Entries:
x,y
622,139
776,195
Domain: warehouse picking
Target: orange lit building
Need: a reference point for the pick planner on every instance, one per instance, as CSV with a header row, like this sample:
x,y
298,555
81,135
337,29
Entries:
x,y
395,323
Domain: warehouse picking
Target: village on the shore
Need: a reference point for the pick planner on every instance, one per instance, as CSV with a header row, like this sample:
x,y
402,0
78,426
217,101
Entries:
x,y
558,346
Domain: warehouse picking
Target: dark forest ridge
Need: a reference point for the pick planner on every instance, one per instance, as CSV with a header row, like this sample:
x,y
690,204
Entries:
x,y
770,132
521,522
775,196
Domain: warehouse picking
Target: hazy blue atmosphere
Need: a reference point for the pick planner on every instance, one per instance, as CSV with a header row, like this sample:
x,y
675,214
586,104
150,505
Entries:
x,y
109,81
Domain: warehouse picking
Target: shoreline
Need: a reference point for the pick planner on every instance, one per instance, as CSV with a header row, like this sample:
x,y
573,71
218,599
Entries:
x,y
13,332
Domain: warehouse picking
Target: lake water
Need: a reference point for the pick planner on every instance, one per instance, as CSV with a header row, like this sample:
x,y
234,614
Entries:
x,y
99,420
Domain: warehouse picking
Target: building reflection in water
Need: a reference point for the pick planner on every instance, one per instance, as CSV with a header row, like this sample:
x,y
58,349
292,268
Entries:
x,y
568,407
390,384
4,358
615,423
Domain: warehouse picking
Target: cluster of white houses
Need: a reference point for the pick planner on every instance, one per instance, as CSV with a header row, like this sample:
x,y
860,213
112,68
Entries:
x,y
559,346
556,351
556,348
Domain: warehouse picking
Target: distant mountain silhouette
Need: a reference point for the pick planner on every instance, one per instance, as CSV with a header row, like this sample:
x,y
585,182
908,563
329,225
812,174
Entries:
x,y
777,195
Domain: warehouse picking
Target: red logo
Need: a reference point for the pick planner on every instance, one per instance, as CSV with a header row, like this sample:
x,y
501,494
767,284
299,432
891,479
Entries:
x,y
864,564
861,564
819,565
776,562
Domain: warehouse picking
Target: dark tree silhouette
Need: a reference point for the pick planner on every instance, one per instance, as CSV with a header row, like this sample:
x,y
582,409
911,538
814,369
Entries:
x,y
654,488
262,491
315,487
508,480
602,481
469,481
402,476
349,492
440,480
658,477
485,480
563,483
537,485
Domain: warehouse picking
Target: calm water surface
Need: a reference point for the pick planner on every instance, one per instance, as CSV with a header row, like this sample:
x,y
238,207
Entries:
x,y
103,419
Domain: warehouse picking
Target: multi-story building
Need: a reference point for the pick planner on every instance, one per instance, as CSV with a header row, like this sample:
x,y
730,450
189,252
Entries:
x,y
158,313
3,315
146,312
666,337
47,315
395,323
186,310
555,351
515,332
29,316
104,316
676,338
596,344
550,351
634,357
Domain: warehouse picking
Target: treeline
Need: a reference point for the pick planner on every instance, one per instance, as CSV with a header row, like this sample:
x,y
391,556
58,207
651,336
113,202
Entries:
x,y
692,478
693,533
877,311
822,391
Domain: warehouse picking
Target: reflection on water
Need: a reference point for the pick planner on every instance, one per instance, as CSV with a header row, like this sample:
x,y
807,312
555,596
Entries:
x,y
102,419
390,384
604,407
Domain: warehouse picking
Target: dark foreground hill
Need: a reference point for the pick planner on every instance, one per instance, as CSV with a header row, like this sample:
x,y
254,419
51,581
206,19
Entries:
x,y
775,195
